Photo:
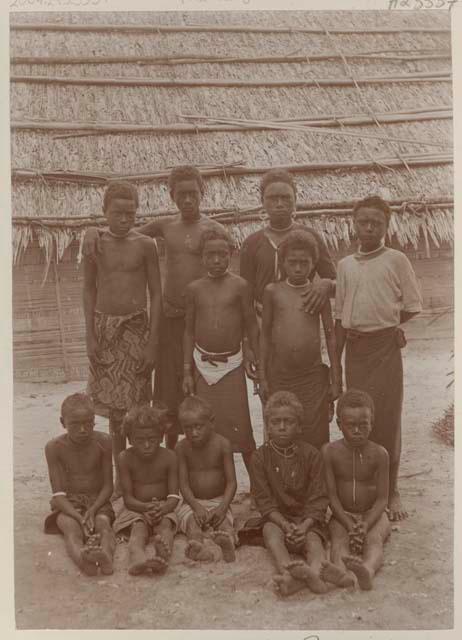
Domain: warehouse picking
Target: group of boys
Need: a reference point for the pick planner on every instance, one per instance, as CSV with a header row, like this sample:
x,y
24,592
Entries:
x,y
208,330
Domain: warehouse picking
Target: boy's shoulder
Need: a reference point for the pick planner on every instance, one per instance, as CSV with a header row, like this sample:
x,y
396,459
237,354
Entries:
x,y
56,442
253,239
219,441
308,450
103,439
377,449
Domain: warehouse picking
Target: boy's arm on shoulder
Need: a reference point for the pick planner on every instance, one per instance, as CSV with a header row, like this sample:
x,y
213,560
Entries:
x,y
230,472
155,227
382,487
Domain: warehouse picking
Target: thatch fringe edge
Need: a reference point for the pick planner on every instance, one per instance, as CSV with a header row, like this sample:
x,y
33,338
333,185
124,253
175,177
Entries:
x,y
408,224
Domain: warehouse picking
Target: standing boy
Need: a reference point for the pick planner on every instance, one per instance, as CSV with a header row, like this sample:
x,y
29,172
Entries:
x,y
376,292
207,482
290,345
260,264
357,484
287,483
218,312
121,337
181,234
149,478
80,471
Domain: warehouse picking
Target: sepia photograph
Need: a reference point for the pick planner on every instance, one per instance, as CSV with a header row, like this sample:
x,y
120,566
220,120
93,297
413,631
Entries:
x,y
233,318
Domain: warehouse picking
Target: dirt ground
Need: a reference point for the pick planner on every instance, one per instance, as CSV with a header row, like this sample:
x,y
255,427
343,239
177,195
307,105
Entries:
x,y
413,590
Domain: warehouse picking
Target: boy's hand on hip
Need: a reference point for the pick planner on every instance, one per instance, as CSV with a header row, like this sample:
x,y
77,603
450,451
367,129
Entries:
x,y
263,388
93,350
188,384
91,243
316,296
148,362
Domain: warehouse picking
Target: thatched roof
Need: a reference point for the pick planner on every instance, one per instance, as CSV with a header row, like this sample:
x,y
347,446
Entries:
x,y
353,102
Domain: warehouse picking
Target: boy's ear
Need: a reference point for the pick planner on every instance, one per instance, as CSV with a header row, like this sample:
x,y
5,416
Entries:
x,y
62,422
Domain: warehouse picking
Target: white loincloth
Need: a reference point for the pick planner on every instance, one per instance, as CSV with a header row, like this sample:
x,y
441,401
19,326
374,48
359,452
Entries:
x,y
214,371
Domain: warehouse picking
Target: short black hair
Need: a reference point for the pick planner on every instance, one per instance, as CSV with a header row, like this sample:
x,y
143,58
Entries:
x,y
299,239
185,172
283,399
195,404
120,189
145,417
215,234
374,202
76,401
354,398
276,175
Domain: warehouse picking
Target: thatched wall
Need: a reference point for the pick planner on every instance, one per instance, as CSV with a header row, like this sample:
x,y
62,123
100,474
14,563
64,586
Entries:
x,y
364,107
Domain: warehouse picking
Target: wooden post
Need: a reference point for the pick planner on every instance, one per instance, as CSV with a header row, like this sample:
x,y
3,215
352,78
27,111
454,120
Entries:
x,y
67,372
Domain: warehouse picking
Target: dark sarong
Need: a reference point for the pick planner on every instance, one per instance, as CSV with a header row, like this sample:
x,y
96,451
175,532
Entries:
x,y
312,389
373,363
169,370
230,404
113,384
81,502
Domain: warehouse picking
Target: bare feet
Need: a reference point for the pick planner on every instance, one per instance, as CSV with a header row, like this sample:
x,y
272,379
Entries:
x,y
285,585
301,571
396,511
94,556
138,562
363,574
162,548
196,550
332,573
225,541
157,564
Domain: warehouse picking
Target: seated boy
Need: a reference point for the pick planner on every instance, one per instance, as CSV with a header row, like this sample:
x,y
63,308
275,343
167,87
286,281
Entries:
x,y
80,471
287,484
218,312
357,483
290,342
207,482
149,479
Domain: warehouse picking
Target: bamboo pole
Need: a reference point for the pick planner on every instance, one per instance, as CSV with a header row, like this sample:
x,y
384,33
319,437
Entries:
x,y
191,58
206,28
240,215
82,129
61,324
103,178
207,82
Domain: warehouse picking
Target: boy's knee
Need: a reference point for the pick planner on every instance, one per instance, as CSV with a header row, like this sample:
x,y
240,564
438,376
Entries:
x,y
102,521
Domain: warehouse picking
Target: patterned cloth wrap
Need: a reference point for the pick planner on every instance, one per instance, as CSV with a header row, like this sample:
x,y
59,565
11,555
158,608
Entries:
x,y
113,383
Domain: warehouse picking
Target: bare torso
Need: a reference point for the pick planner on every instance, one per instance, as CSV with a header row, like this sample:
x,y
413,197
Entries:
x,y
355,474
149,477
205,467
295,335
182,240
121,274
218,312
81,466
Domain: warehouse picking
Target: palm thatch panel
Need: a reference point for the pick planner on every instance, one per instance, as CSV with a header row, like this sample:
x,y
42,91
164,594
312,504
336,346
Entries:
x,y
164,105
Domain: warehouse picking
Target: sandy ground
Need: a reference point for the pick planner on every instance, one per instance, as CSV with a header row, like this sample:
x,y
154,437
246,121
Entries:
x,y
412,591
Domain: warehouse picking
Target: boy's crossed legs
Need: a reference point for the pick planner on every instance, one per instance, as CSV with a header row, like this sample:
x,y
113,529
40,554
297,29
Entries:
x,y
296,574
139,561
92,551
344,566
